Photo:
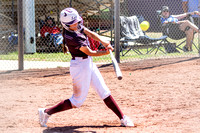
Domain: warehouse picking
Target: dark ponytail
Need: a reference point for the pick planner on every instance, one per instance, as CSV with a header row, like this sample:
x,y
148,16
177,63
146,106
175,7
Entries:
x,y
64,47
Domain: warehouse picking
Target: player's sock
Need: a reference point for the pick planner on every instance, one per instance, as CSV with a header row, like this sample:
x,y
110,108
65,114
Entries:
x,y
110,102
64,105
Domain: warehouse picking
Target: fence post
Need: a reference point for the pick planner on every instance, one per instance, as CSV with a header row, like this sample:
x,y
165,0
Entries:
x,y
117,30
198,33
20,35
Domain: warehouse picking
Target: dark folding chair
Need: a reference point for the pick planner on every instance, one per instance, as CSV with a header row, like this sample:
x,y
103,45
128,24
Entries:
x,y
131,32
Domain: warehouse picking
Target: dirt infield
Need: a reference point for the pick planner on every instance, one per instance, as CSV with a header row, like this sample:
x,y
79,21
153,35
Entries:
x,y
160,95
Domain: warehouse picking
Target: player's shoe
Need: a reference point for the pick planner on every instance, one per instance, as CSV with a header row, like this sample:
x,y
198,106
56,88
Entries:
x,y
126,122
43,117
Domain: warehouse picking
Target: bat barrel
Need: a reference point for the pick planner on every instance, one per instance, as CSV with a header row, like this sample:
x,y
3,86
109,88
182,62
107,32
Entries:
x,y
116,66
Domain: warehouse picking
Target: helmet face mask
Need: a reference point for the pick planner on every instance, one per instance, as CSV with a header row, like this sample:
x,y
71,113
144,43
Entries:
x,y
69,16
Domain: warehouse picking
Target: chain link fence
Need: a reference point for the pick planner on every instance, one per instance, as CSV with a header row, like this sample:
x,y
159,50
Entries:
x,y
42,29
150,13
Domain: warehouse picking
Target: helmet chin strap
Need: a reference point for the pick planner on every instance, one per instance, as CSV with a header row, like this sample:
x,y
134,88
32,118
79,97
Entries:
x,y
67,28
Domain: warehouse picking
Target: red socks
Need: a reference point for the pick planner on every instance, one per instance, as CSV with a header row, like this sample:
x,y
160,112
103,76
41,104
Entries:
x,y
64,105
110,102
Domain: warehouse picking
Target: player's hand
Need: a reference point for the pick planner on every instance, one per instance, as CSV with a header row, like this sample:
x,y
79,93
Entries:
x,y
107,51
110,47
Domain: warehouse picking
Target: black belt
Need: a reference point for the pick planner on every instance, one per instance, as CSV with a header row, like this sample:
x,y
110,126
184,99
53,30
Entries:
x,y
84,57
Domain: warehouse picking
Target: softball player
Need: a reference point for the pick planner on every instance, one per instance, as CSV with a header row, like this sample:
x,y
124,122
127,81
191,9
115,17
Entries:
x,y
82,69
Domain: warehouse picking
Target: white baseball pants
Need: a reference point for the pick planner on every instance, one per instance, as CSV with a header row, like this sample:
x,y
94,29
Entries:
x,y
85,73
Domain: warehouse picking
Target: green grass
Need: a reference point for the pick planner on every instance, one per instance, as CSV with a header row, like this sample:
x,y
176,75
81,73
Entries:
x,y
37,57
131,55
57,57
60,57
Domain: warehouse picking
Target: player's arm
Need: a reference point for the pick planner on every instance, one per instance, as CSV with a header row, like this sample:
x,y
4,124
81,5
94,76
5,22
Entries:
x,y
97,37
90,52
180,16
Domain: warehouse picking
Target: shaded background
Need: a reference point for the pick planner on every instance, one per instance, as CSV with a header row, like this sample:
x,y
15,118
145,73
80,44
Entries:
x,y
148,8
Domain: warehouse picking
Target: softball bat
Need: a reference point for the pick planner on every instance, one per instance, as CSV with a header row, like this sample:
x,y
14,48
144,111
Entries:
x,y
116,66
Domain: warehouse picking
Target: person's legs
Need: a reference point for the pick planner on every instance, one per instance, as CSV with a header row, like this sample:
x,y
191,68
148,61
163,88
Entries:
x,y
186,23
189,33
80,71
62,106
102,90
111,104
97,82
189,39
44,114
81,75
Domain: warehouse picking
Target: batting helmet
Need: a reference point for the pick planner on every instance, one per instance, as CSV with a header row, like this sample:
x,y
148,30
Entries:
x,y
69,16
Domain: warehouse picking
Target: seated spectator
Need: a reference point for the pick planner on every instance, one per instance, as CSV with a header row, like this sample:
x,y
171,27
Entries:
x,y
51,32
184,25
